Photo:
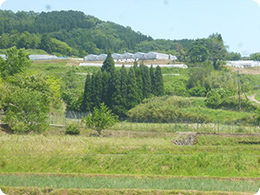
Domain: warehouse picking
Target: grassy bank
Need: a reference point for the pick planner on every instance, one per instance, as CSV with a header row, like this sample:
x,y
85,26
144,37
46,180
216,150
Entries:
x,y
118,182
123,155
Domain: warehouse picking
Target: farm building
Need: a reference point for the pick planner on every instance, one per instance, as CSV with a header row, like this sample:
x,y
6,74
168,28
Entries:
x,y
156,56
102,57
117,56
39,57
43,57
129,57
139,55
91,57
243,63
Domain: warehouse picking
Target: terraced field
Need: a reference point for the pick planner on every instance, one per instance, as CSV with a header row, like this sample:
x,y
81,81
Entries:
x,y
121,164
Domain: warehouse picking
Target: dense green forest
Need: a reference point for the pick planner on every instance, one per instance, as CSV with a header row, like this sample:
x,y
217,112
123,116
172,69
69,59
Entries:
x,y
72,33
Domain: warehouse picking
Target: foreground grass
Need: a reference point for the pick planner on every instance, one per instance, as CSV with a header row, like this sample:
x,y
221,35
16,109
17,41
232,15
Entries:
x,y
51,191
119,182
123,155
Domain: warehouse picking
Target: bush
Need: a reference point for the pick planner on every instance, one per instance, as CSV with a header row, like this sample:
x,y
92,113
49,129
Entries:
x,y
100,119
26,111
198,91
72,129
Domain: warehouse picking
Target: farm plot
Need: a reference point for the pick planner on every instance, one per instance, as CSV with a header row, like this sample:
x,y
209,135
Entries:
x,y
150,163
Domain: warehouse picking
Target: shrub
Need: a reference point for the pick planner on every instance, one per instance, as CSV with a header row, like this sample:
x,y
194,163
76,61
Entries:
x,y
198,91
100,119
72,129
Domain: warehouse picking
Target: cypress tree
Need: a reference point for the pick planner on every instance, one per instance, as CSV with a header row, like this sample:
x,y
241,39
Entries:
x,y
105,97
96,85
123,85
117,98
146,81
139,81
85,106
109,64
132,91
152,79
158,82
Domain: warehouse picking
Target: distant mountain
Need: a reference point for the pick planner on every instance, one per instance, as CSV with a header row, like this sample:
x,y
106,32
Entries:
x,y
73,33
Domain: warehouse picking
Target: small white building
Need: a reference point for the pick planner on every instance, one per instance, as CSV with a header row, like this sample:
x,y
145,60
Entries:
x,y
243,63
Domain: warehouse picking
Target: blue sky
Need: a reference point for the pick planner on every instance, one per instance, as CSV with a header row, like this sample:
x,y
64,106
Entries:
x,y
238,21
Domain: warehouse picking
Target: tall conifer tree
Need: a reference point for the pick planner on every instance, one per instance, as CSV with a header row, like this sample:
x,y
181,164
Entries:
x,y
105,97
146,81
109,64
86,104
132,95
139,81
117,98
158,82
152,79
96,85
123,83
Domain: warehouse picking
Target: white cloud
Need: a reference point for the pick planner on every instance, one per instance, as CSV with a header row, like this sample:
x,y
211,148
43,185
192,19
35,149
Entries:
x,y
257,1
1,2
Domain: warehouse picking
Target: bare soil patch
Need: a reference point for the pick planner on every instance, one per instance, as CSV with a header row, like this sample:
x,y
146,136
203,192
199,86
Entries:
x,y
253,70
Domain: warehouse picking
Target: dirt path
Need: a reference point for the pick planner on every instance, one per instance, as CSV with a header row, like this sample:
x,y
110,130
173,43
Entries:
x,y
252,97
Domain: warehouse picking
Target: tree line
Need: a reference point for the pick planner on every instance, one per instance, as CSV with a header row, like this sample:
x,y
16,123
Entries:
x,y
120,89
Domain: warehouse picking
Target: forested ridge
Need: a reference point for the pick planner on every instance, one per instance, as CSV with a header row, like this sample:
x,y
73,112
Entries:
x,y
74,33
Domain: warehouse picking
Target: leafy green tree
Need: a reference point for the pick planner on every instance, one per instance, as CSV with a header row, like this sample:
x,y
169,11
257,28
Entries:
x,y
100,119
158,82
46,43
16,62
233,56
213,99
26,111
198,52
198,91
109,64
255,57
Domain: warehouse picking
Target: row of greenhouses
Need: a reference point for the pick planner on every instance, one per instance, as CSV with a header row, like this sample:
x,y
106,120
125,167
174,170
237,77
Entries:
x,y
130,57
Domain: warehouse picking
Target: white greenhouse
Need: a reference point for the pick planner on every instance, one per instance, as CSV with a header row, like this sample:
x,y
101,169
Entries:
x,y
128,56
243,63
102,57
43,57
117,56
91,57
139,55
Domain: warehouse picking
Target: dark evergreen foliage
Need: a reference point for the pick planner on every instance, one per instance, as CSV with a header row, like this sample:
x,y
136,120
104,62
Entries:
x,y
96,92
132,90
109,64
152,79
146,81
86,104
158,82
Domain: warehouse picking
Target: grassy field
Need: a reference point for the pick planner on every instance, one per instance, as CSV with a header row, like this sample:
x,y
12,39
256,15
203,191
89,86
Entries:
x,y
216,163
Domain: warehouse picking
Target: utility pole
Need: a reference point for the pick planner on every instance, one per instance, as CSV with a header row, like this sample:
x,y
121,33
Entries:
x,y
238,75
